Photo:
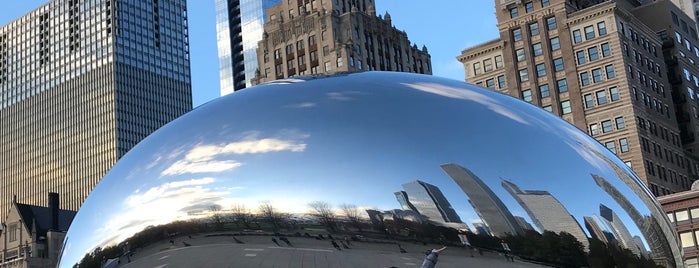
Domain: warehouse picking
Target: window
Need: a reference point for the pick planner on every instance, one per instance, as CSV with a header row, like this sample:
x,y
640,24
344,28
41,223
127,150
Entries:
x,y
681,215
340,62
589,32
488,65
523,75
611,145
514,12
501,82
527,95
12,232
686,239
565,107
620,122
544,91
624,145
584,79
607,126
540,70
592,53
328,66
589,101
581,56
477,68
533,29
277,54
594,129
536,48
577,37
558,65
517,34
596,75
555,43
312,40
601,97
498,62
529,7
678,36
520,55
562,85
614,94
548,108
601,28
609,69
490,83
551,23
605,50
544,3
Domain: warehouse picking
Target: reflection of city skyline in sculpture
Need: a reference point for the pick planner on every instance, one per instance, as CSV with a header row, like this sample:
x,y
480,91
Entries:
x,y
481,228
599,229
655,232
547,213
620,231
427,200
524,224
487,205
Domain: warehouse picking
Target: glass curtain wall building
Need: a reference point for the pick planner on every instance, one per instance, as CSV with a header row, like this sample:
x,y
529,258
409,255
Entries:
x,y
239,27
81,82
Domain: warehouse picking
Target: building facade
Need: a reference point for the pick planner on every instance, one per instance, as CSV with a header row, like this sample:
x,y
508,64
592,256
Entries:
x,y
304,37
683,210
599,66
239,27
81,82
428,200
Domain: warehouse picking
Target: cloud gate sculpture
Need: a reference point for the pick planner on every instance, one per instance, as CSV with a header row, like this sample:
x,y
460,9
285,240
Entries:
x,y
369,170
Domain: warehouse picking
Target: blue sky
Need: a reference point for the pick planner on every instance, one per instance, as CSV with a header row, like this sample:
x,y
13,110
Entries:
x,y
445,27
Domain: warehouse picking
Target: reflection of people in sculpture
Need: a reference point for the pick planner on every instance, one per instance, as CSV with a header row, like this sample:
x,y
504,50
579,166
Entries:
x,y
431,257
506,250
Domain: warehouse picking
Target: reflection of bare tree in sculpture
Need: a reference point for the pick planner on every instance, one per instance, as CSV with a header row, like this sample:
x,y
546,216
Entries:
x,y
352,214
241,215
324,213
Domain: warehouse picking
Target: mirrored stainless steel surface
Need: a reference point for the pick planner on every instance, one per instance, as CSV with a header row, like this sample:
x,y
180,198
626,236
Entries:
x,y
369,170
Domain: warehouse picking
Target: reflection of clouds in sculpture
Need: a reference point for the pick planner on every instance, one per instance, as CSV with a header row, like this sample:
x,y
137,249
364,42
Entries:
x,y
160,205
459,93
302,105
203,158
344,96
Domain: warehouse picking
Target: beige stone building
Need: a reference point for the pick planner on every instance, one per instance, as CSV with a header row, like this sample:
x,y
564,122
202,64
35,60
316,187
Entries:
x,y
600,67
304,37
32,236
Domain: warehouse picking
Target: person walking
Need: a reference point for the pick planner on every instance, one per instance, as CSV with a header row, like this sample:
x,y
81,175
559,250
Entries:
x,y
431,257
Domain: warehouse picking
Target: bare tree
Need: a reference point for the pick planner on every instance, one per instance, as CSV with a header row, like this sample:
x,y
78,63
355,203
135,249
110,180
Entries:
x,y
352,213
216,216
269,214
324,213
241,215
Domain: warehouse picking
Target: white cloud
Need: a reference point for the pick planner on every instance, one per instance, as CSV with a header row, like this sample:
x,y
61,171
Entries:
x,y
458,93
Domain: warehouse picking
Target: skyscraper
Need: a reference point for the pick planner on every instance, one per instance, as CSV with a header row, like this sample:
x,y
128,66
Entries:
x,y
81,82
602,67
429,201
239,27
547,212
402,198
621,233
303,37
487,205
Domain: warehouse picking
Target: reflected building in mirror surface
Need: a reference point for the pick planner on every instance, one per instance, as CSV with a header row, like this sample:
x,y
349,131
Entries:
x,y
427,200
546,211
489,207
620,231
598,229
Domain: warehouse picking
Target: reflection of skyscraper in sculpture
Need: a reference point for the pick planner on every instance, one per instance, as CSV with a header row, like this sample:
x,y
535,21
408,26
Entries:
x,y
488,206
402,198
620,231
547,212
598,229
428,200
481,228
657,233
524,224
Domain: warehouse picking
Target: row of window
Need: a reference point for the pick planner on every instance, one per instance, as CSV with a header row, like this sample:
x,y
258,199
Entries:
x,y
528,8
623,146
589,32
490,83
541,69
537,49
662,132
663,173
593,53
488,65
651,102
640,41
597,75
686,28
607,126
534,28
601,97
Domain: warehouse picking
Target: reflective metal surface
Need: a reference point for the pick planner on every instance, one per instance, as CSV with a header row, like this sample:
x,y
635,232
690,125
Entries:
x,y
369,170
